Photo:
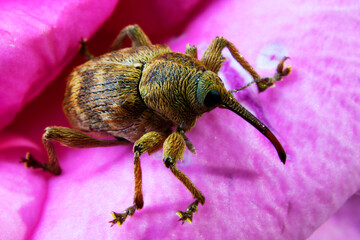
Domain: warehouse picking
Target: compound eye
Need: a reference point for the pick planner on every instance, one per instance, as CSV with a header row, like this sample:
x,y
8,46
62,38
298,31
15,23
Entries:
x,y
212,98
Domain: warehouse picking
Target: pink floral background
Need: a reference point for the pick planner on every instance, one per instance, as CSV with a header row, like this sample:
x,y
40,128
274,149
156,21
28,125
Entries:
x,y
249,194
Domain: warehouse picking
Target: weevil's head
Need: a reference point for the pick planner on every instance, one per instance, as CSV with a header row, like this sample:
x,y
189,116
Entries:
x,y
181,89
211,93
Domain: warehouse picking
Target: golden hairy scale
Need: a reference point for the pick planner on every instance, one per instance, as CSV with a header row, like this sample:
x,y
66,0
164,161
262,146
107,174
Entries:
x,y
150,96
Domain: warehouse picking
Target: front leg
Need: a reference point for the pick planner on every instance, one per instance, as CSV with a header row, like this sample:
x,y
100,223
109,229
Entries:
x,y
213,59
149,142
281,71
174,147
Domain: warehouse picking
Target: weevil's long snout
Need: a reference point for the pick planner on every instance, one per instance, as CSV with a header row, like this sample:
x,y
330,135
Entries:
x,y
231,104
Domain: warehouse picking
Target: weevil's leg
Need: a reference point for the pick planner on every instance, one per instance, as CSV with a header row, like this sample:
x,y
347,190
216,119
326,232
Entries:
x,y
84,49
265,83
174,147
188,143
149,142
191,50
67,137
134,32
120,218
281,71
213,59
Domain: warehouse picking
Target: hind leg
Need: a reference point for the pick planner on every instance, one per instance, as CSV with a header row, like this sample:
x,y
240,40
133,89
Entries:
x,y
135,33
67,137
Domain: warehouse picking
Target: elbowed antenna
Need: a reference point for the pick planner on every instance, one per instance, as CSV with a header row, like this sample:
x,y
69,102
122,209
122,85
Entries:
x,y
236,107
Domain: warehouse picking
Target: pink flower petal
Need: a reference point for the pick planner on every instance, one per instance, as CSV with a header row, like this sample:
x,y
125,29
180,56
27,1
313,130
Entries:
x,y
249,193
37,39
344,224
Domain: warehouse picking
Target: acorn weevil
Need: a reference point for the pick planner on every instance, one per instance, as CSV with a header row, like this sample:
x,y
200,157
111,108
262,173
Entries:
x,y
150,96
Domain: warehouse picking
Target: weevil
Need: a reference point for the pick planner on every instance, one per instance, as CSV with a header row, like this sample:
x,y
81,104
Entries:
x,y
150,96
